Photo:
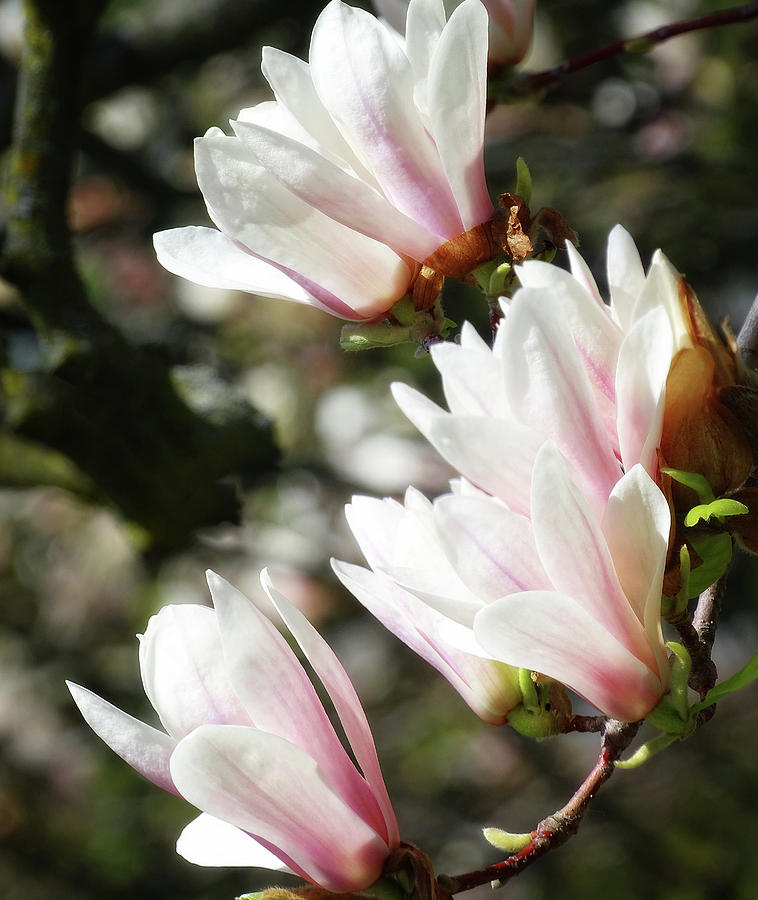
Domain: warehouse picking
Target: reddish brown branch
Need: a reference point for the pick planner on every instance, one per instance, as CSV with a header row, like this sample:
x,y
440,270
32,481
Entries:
x,y
561,825
536,81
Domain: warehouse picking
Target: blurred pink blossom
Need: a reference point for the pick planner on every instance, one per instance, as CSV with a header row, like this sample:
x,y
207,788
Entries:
x,y
510,31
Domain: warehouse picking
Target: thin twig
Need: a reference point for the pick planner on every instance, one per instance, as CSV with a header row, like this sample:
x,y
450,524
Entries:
x,y
747,339
536,81
561,825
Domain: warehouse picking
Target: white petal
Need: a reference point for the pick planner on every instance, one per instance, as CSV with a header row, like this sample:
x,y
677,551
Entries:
x,y
279,696
457,104
662,289
248,203
146,749
365,81
339,195
290,79
636,526
552,634
342,694
206,256
472,379
495,454
643,368
270,788
575,555
548,387
207,841
426,19
492,549
487,687
581,272
626,275
183,672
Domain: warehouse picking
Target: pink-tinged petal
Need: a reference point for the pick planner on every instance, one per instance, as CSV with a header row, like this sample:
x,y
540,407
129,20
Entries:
x,y
662,289
551,633
277,693
494,454
263,784
457,89
511,25
547,386
366,83
274,116
575,555
641,375
208,257
146,749
636,527
292,84
375,524
491,548
626,275
183,674
487,687
442,591
425,22
472,377
403,542
346,703
581,272
250,204
207,841
339,195
596,336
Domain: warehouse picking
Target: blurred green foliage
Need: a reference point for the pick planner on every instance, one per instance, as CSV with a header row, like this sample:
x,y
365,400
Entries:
x,y
665,143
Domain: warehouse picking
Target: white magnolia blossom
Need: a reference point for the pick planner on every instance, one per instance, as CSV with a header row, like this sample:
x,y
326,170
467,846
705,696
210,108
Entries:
x,y
368,160
550,553
247,740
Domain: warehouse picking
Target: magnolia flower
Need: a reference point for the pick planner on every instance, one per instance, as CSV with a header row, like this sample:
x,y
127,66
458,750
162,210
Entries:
x,y
400,542
247,741
551,554
510,32
366,163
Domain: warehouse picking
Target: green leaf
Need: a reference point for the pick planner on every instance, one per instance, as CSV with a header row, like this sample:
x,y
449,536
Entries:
x,y
404,310
698,483
666,718
718,509
646,751
506,840
716,553
746,676
680,676
523,180
369,337
448,325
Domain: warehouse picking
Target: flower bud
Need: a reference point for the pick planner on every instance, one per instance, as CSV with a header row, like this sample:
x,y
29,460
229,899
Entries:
x,y
700,434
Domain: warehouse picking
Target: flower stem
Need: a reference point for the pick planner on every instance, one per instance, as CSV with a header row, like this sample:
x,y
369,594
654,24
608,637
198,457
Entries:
x,y
536,81
557,828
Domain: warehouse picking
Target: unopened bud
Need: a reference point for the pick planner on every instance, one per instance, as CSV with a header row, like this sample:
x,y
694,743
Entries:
x,y
700,433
